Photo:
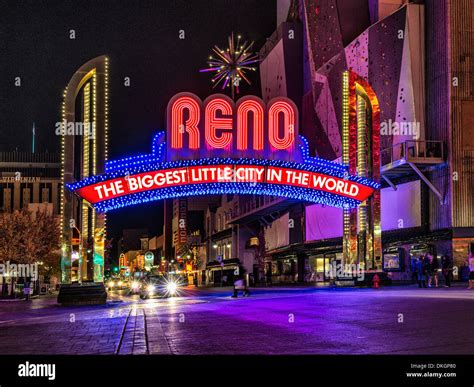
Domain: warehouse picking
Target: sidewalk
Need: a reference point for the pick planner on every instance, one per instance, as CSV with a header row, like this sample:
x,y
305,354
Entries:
x,y
289,287
308,286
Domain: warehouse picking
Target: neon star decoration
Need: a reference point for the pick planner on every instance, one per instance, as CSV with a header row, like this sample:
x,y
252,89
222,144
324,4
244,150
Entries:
x,y
230,65
213,153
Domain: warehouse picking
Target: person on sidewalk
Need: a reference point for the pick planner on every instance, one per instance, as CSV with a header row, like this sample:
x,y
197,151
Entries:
x,y
414,270
434,266
447,267
427,269
470,262
421,269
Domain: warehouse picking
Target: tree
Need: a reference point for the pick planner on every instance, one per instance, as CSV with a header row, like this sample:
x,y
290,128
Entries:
x,y
30,238
12,226
41,237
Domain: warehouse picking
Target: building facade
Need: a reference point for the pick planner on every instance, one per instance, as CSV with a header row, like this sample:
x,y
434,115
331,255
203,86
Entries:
x,y
30,179
414,57
425,170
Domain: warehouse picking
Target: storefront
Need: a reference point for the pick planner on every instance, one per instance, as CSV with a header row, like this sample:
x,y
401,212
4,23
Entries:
x,y
318,267
223,273
283,270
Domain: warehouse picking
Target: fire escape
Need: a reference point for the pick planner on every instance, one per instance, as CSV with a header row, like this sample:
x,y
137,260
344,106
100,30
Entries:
x,y
413,157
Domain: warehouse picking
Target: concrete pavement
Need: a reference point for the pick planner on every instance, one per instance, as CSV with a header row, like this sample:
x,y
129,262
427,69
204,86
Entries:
x,y
396,320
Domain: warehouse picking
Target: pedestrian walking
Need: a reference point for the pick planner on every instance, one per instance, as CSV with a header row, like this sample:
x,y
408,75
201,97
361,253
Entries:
x,y
447,268
434,267
470,262
240,284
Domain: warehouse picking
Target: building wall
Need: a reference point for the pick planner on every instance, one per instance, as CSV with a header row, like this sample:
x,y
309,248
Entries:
x,y
246,254
381,53
401,209
323,222
409,55
281,66
438,81
277,234
219,236
29,178
386,7
461,34
283,7
450,108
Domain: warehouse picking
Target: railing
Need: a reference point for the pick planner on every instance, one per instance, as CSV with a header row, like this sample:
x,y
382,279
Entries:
x,y
29,157
427,151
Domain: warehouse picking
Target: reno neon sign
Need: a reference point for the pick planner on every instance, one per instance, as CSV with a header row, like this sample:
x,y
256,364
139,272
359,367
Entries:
x,y
217,147
222,127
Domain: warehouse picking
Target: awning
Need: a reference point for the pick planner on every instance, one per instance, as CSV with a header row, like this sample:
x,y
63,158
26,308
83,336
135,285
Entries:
x,y
227,262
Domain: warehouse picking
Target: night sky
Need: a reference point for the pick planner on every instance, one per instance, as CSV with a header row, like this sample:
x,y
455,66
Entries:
x,y
142,41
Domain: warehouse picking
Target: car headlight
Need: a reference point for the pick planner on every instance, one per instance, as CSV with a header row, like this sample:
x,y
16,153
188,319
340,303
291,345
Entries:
x,y
111,284
150,288
120,283
171,287
135,285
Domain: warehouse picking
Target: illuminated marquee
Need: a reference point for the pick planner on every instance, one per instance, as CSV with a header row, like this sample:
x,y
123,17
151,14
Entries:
x,y
218,127
218,147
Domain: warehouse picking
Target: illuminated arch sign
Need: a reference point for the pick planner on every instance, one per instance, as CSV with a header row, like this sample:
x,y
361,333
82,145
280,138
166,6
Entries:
x,y
221,147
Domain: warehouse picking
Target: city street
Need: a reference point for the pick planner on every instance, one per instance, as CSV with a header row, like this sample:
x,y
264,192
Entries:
x,y
396,320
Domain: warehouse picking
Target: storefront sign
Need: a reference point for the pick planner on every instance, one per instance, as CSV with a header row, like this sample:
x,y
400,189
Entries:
x,y
183,221
149,257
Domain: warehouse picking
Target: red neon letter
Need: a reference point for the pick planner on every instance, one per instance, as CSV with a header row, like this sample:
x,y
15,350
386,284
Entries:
x,y
213,123
289,119
242,124
190,126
